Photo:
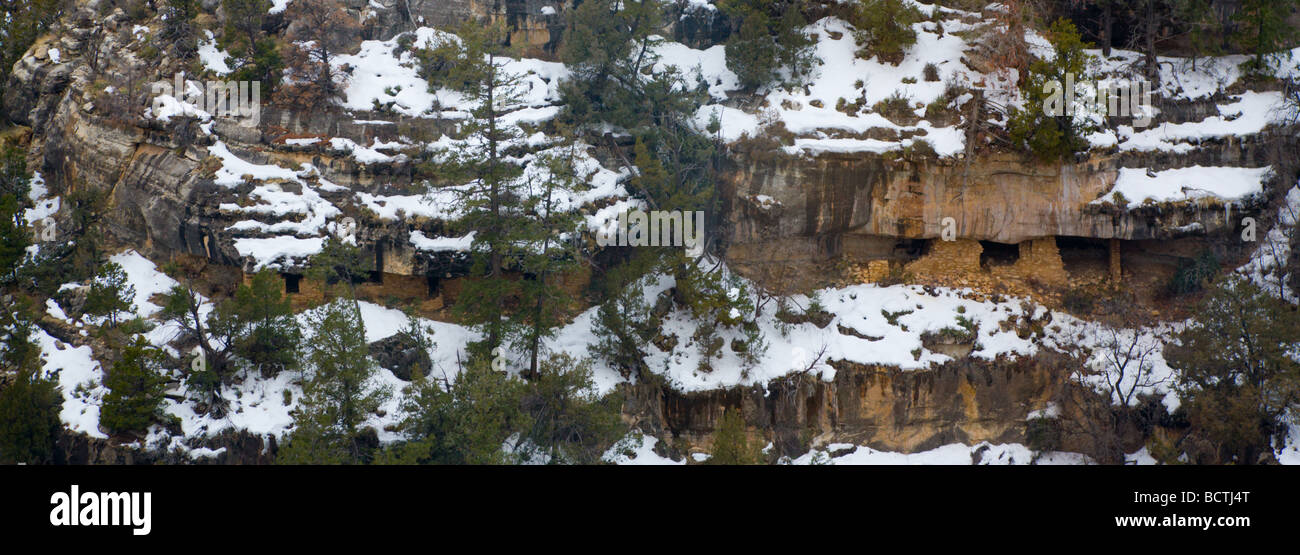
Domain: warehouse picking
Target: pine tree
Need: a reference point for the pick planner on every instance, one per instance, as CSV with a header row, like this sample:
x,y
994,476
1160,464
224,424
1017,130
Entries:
x,y
570,423
1237,378
770,38
492,191
84,254
606,45
624,323
546,257
323,29
752,54
1205,30
29,418
1053,136
14,237
268,335
178,27
260,57
30,405
884,28
110,293
135,384
730,444
462,422
244,23
1262,28
340,393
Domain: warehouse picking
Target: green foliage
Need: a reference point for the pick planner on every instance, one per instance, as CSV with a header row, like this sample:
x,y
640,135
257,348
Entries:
x,y
30,405
465,422
623,323
338,264
110,293
1205,31
14,178
546,257
85,254
1043,434
730,444
20,352
135,384
254,56
607,43
22,23
76,253
268,334
1237,376
340,393
450,64
770,38
243,22
14,237
1048,136
1192,274
884,28
570,423
515,226
178,27
29,418
1262,29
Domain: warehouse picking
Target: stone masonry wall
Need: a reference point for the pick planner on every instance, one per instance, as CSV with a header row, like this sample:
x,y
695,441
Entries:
x,y
948,259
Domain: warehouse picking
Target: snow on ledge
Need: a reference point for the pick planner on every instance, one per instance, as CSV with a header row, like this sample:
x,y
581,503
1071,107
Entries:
x,y
1137,185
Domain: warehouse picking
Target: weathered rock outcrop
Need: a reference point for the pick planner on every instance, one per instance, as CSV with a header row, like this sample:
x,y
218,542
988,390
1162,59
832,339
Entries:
x,y
966,401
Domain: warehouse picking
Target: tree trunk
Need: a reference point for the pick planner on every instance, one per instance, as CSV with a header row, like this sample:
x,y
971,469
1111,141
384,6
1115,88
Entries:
x,y
1107,19
1153,67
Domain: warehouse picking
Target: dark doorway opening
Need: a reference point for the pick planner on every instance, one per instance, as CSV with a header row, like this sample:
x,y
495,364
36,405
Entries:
x,y
291,282
432,282
377,276
998,254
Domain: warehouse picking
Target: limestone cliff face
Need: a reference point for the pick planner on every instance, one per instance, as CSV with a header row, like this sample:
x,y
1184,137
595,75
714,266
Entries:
x,y
844,203
967,401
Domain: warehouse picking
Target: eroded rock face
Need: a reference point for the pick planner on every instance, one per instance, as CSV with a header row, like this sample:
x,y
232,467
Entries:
x,y
1001,198
966,401
231,448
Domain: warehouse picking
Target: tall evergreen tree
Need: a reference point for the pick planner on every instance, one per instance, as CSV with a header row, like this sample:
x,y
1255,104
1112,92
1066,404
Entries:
x,y
14,237
268,336
110,293
730,444
770,38
462,422
1237,376
570,422
340,393
547,255
493,190
30,405
1262,29
135,389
